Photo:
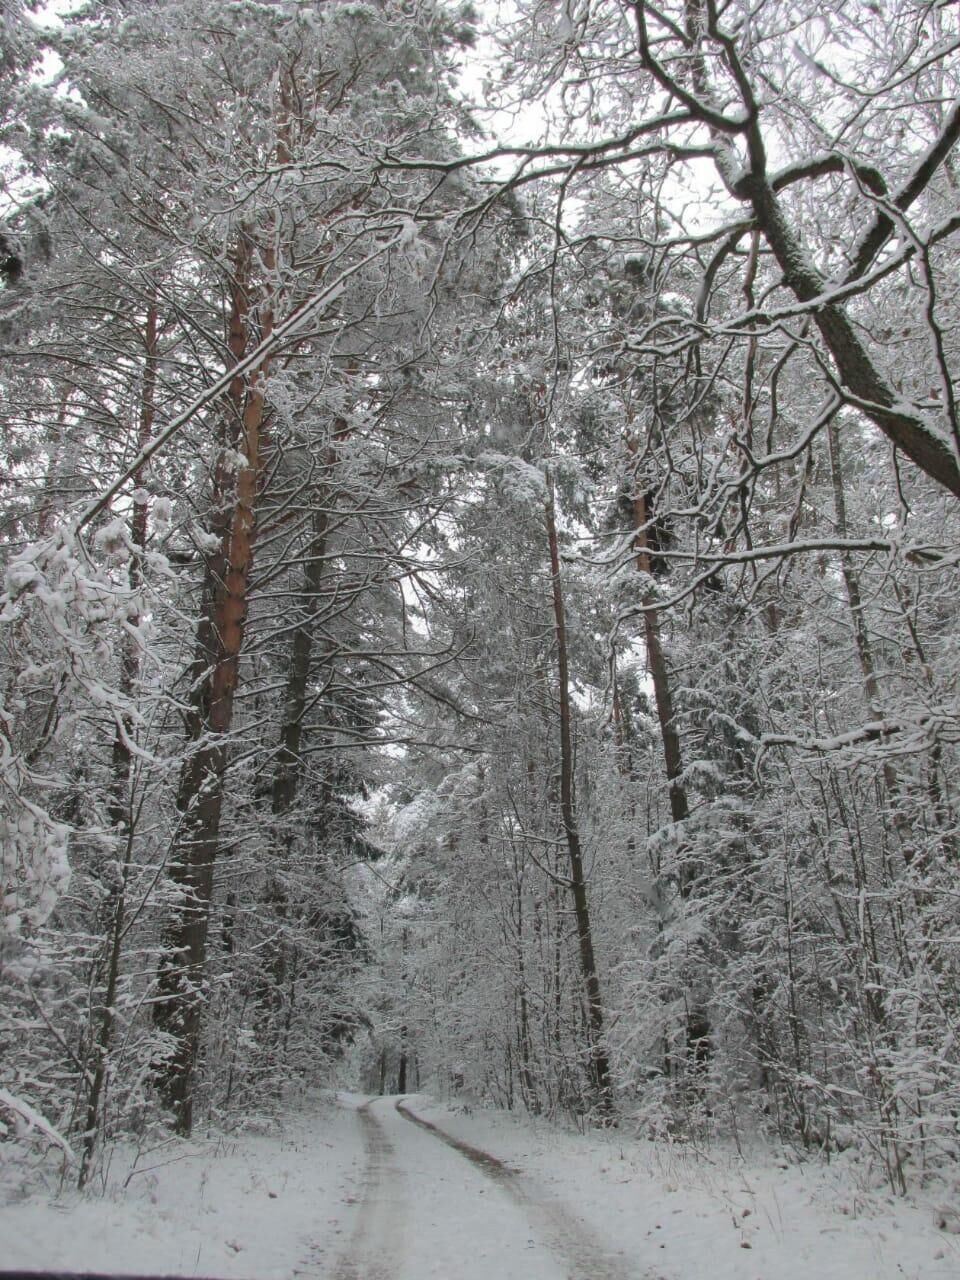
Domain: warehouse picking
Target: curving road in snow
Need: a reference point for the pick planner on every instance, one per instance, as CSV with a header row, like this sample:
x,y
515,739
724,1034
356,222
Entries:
x,y
432,1205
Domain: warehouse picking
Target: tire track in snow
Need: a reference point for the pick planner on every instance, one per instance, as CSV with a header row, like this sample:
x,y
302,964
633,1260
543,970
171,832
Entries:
x,y
574,1245
376,1244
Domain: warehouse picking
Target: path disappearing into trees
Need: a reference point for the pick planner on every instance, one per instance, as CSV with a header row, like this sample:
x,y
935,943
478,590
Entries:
x,y
433,1206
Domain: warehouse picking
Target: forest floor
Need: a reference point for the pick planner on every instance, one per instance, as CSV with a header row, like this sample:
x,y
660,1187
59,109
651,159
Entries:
x,y
351,1188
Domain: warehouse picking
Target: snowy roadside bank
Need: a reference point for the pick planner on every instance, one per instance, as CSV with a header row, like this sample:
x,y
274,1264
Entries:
x,y
743,1219
269,1205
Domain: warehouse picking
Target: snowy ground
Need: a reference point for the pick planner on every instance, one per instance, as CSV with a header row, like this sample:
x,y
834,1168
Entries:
x,y
354,1190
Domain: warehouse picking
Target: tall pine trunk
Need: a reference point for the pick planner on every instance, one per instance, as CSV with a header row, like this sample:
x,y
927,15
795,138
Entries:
x,y
178,1010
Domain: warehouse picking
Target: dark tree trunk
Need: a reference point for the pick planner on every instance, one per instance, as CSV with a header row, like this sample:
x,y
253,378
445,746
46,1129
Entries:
x,y
663,695
288,768
598,1058
402,1065
698,1042
289,764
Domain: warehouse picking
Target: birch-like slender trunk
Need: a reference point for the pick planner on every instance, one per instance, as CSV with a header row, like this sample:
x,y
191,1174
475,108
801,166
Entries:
x,y
120,810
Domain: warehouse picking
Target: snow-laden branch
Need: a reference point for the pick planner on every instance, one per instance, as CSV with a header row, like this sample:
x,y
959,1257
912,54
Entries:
x,y
708,563
883,226
28,1120
389,159
903,731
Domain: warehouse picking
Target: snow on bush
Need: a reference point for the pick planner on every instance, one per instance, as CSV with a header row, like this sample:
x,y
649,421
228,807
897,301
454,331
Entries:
x,y
60,618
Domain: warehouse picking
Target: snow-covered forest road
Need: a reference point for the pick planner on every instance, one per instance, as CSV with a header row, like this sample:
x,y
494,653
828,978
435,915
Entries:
x,y
353,1188
436,1206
